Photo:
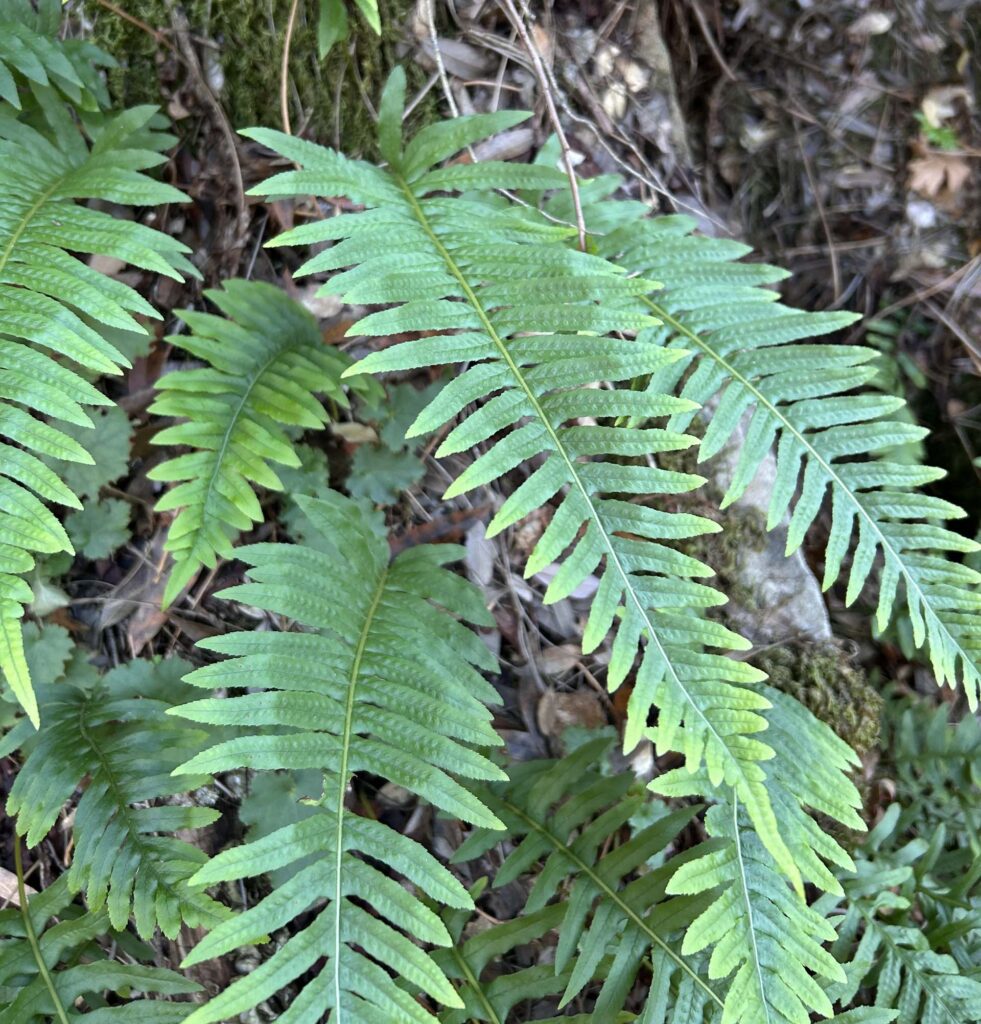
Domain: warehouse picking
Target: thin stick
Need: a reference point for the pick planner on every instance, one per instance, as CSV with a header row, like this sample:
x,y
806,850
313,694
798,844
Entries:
x,y
832,250
712,45
285,68
517,20
157,35
440,66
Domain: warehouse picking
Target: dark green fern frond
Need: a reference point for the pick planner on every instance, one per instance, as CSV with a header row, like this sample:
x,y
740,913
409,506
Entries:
x,y
761,933
54,967
382,680
32,58
116,739
536,327
936,763
568,814
902,931
265,365
468,958
49,300
745,351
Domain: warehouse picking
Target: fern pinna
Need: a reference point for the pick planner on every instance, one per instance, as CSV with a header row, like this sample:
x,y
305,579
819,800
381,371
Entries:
x,y
267,362
383,680
49,302
540,345
744,352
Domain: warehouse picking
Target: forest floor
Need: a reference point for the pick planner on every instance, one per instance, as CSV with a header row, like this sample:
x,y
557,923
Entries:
x,y
839,139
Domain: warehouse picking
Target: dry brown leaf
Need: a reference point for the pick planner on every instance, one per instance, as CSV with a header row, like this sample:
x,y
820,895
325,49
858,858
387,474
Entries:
x,y
937,173
8,889
558,711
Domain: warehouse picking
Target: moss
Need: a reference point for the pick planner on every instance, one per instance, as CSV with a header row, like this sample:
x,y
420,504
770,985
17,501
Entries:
x,y
249,35
823,678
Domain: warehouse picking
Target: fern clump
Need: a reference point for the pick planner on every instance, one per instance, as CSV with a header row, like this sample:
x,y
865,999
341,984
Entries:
x,y
908,934
538,354
381,679
267,363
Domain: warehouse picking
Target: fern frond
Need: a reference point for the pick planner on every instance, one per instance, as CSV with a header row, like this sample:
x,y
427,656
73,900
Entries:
x,y
936,763
761,932
900,930
565,813
32,57
49,301
535,325
265,365
382,680
466,960
119,740
805,400
59,971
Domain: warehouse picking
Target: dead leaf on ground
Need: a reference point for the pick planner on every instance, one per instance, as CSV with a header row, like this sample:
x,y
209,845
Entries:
x,y
8,889
938,175
558,711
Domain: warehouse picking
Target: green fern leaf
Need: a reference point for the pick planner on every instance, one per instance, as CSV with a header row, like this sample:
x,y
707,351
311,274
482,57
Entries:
x,y
50,299
762,933
936,762
32,56
265,365
120,740
381,680
743,348
538,344
60,972
565,813
467,959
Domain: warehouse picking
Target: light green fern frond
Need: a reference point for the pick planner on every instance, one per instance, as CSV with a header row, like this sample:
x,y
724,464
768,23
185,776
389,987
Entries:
x,y
745,351
266,363
116,738
49,301
54,968
567,814
537,327
382,680
761,933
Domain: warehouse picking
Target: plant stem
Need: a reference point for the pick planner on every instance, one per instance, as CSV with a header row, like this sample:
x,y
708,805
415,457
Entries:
x,y
32,935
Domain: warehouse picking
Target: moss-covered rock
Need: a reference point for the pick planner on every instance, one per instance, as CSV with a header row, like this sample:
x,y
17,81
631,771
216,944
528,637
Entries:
x,y
326,97
824,679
